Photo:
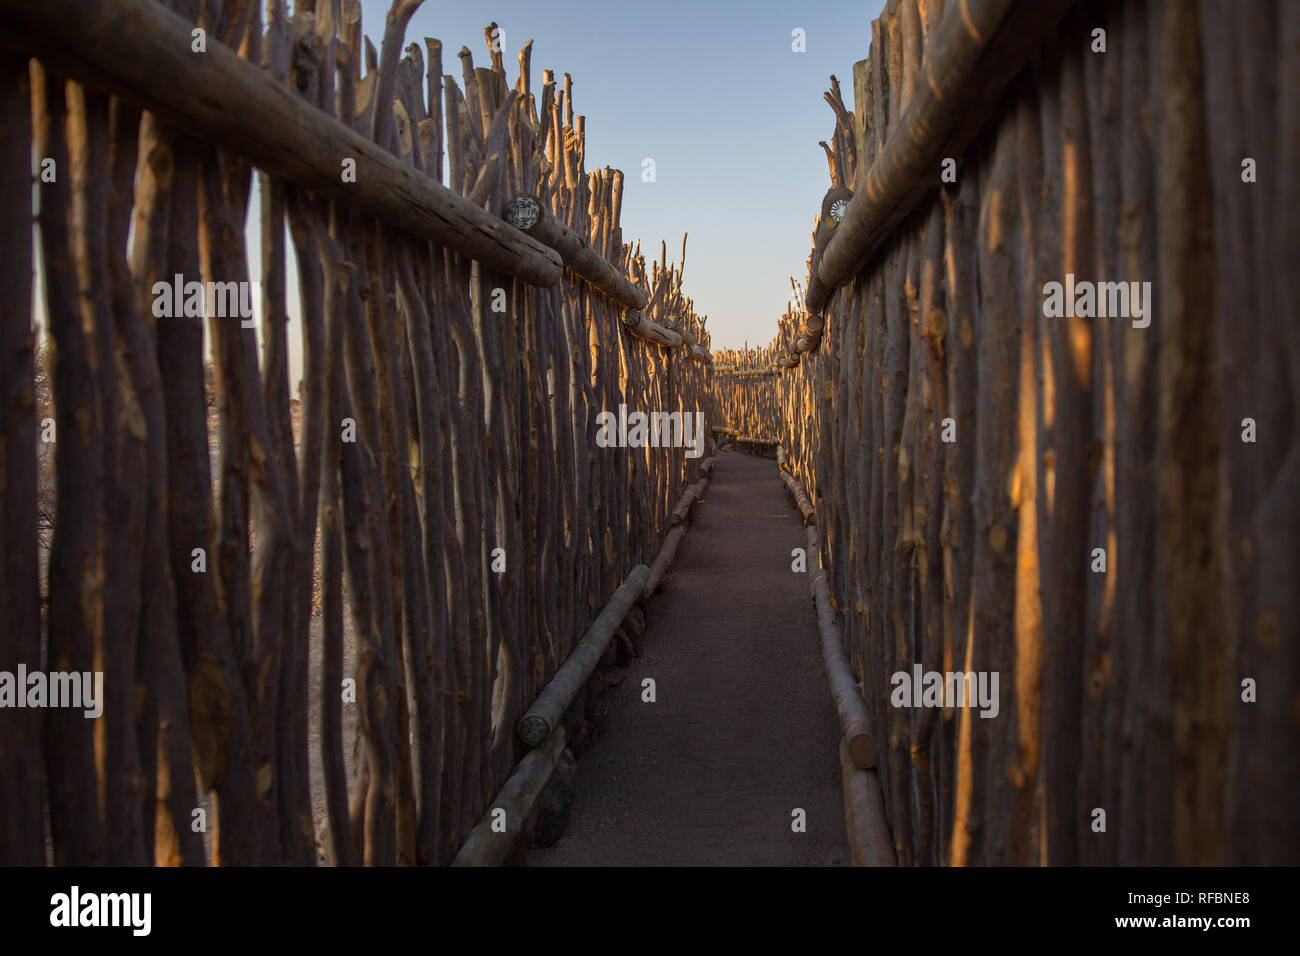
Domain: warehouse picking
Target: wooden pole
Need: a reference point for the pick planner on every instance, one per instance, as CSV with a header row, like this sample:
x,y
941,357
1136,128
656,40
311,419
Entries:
x,y
527,213
21,811
864,815
799,495
648,331
850,706
683,507
536,725
663,559
488,844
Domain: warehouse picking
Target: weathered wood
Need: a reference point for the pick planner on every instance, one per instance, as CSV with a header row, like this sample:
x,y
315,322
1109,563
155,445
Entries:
x,y
864,815
1190,535
74,622
220,97
128,784
428,432
21,802
976,51
488,844
800,497
663,559
342,840
527,213
644,329
544,714
684,503
290,718
974,458
854,721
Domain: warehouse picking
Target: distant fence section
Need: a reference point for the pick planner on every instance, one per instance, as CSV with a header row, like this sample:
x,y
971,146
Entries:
x,y
443,493
747,402
1042,389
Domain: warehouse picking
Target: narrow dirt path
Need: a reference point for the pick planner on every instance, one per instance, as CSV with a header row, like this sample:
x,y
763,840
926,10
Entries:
x,y
743,731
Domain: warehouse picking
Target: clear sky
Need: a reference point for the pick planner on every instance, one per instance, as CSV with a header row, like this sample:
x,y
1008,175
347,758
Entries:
x,y
713,92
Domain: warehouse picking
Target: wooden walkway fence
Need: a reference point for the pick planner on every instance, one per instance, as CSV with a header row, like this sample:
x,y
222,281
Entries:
x,y
743,380
1100,508
442,495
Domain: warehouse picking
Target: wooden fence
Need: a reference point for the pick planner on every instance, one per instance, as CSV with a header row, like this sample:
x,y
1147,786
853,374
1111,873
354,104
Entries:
x,y
466,528
1102,510
742,379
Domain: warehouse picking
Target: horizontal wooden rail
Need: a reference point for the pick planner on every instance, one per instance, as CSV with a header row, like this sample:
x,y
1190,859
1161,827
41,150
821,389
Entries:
x,y
864,815
849,704
980,46
764,447
648,331
663,560
536,725
761,447
684,504
798,494
487,846
870,843
526,212
813,327
694,350
125,46
674,537
736,435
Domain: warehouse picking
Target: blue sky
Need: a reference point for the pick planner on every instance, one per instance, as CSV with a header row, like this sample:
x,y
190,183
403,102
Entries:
x,y
714,94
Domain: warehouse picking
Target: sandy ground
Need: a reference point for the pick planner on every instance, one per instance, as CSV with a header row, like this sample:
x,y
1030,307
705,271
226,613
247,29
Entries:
x,y
743,731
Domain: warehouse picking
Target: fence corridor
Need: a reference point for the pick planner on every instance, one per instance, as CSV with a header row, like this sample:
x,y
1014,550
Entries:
x,y
358,473
715,769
